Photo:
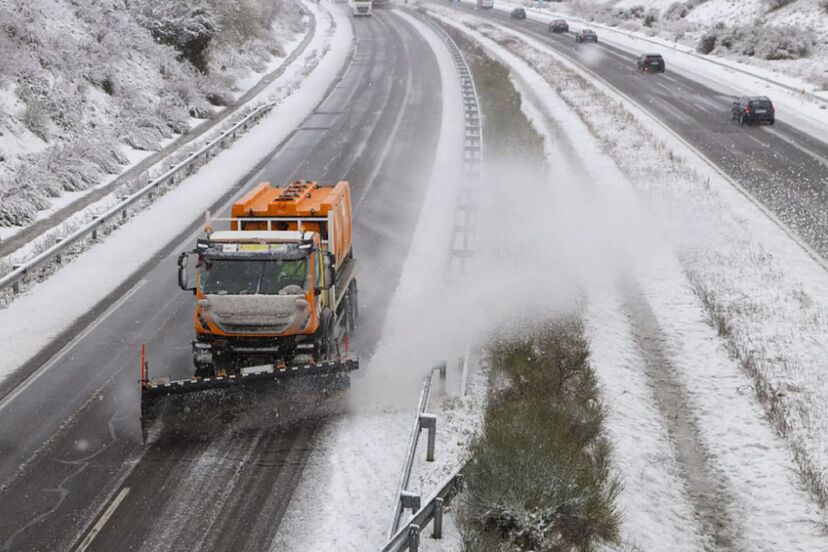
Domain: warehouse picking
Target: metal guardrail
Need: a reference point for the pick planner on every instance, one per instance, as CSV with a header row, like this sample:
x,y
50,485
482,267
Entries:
x,y
408,538
405,499
462,248
465,213
171,177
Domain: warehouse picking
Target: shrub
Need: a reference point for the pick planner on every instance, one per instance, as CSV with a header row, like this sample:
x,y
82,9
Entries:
x,y
765,42
774,5
538,477
34,118
677,10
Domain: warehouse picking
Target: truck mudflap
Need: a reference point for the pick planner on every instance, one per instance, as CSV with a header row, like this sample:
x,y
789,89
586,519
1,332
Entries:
x,y
201,401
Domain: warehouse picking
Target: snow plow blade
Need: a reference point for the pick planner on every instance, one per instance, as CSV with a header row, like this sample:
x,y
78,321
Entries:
x,y
199,402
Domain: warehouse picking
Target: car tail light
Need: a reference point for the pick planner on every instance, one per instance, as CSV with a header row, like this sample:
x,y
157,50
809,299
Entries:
x,y
772,108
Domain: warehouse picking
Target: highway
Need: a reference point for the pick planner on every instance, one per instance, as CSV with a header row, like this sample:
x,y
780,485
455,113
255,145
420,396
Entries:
x,y
783,168
74,474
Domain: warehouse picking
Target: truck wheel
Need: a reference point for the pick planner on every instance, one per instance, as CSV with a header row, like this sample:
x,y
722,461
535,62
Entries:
x,y
325,339
353,293
350,321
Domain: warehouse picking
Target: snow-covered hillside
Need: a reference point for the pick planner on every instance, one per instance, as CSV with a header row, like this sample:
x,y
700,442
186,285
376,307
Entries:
x,y
84,83
788,36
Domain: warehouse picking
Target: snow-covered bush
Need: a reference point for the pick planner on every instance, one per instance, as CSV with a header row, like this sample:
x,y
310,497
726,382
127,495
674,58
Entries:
x,y
677,10
757,40
89,76
187,27
776,4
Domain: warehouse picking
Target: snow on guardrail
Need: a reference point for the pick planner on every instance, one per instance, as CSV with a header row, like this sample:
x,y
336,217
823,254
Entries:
x,y
11,282
461,249
171,177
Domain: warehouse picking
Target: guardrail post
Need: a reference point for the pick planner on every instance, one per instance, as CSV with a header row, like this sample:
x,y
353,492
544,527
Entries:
x,y
438,519
410,501
414,538
429,422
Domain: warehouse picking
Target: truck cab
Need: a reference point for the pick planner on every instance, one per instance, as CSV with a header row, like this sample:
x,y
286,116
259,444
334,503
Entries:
x,y
278,284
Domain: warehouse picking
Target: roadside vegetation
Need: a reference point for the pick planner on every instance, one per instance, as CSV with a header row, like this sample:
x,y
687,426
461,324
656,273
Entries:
x,y
538,472
538,476
83,81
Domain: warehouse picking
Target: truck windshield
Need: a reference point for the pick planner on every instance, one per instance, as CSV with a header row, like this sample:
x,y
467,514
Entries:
x,y
249,277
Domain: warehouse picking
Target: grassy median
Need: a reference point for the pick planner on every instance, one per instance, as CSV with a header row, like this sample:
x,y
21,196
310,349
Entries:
x,y
537,476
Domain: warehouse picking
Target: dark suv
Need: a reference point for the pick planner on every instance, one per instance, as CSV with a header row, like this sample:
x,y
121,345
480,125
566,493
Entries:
x,y
518,13
753,109
650,63
586,35
559,26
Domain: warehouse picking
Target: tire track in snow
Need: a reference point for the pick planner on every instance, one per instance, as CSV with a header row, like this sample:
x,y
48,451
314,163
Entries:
x,y
708,495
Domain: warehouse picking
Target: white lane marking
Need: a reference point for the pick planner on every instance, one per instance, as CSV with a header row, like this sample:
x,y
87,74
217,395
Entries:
x,y
673,110
68,347
104,518
667,88
758,141
394,130
800,147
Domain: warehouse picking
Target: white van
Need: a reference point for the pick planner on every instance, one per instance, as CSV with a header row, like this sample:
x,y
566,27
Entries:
x,y
485,4
361,8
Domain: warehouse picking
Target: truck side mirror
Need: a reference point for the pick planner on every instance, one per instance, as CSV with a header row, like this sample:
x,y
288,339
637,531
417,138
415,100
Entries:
x,y
184,273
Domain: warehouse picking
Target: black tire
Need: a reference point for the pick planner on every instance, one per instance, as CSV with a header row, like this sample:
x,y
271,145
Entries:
x,y
350,322
324,342
771,122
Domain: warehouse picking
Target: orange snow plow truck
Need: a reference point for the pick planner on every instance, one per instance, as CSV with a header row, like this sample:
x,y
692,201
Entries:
x,y
275,293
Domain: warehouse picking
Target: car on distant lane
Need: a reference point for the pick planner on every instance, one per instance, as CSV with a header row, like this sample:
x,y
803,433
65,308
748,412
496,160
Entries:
x,y
586,35
558,26
753,109
518,13
650,63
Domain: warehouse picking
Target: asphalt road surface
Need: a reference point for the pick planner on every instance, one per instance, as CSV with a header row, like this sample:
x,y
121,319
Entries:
x,y
74,474
782,167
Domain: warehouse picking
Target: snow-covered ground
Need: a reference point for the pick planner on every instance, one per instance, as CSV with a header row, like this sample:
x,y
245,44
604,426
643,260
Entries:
x,y
659,241
25,142
36,318
86,91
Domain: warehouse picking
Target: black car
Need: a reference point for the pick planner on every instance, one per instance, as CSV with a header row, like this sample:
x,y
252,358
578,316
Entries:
x,y
650,63
753,109
518,13
586,35
559,26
